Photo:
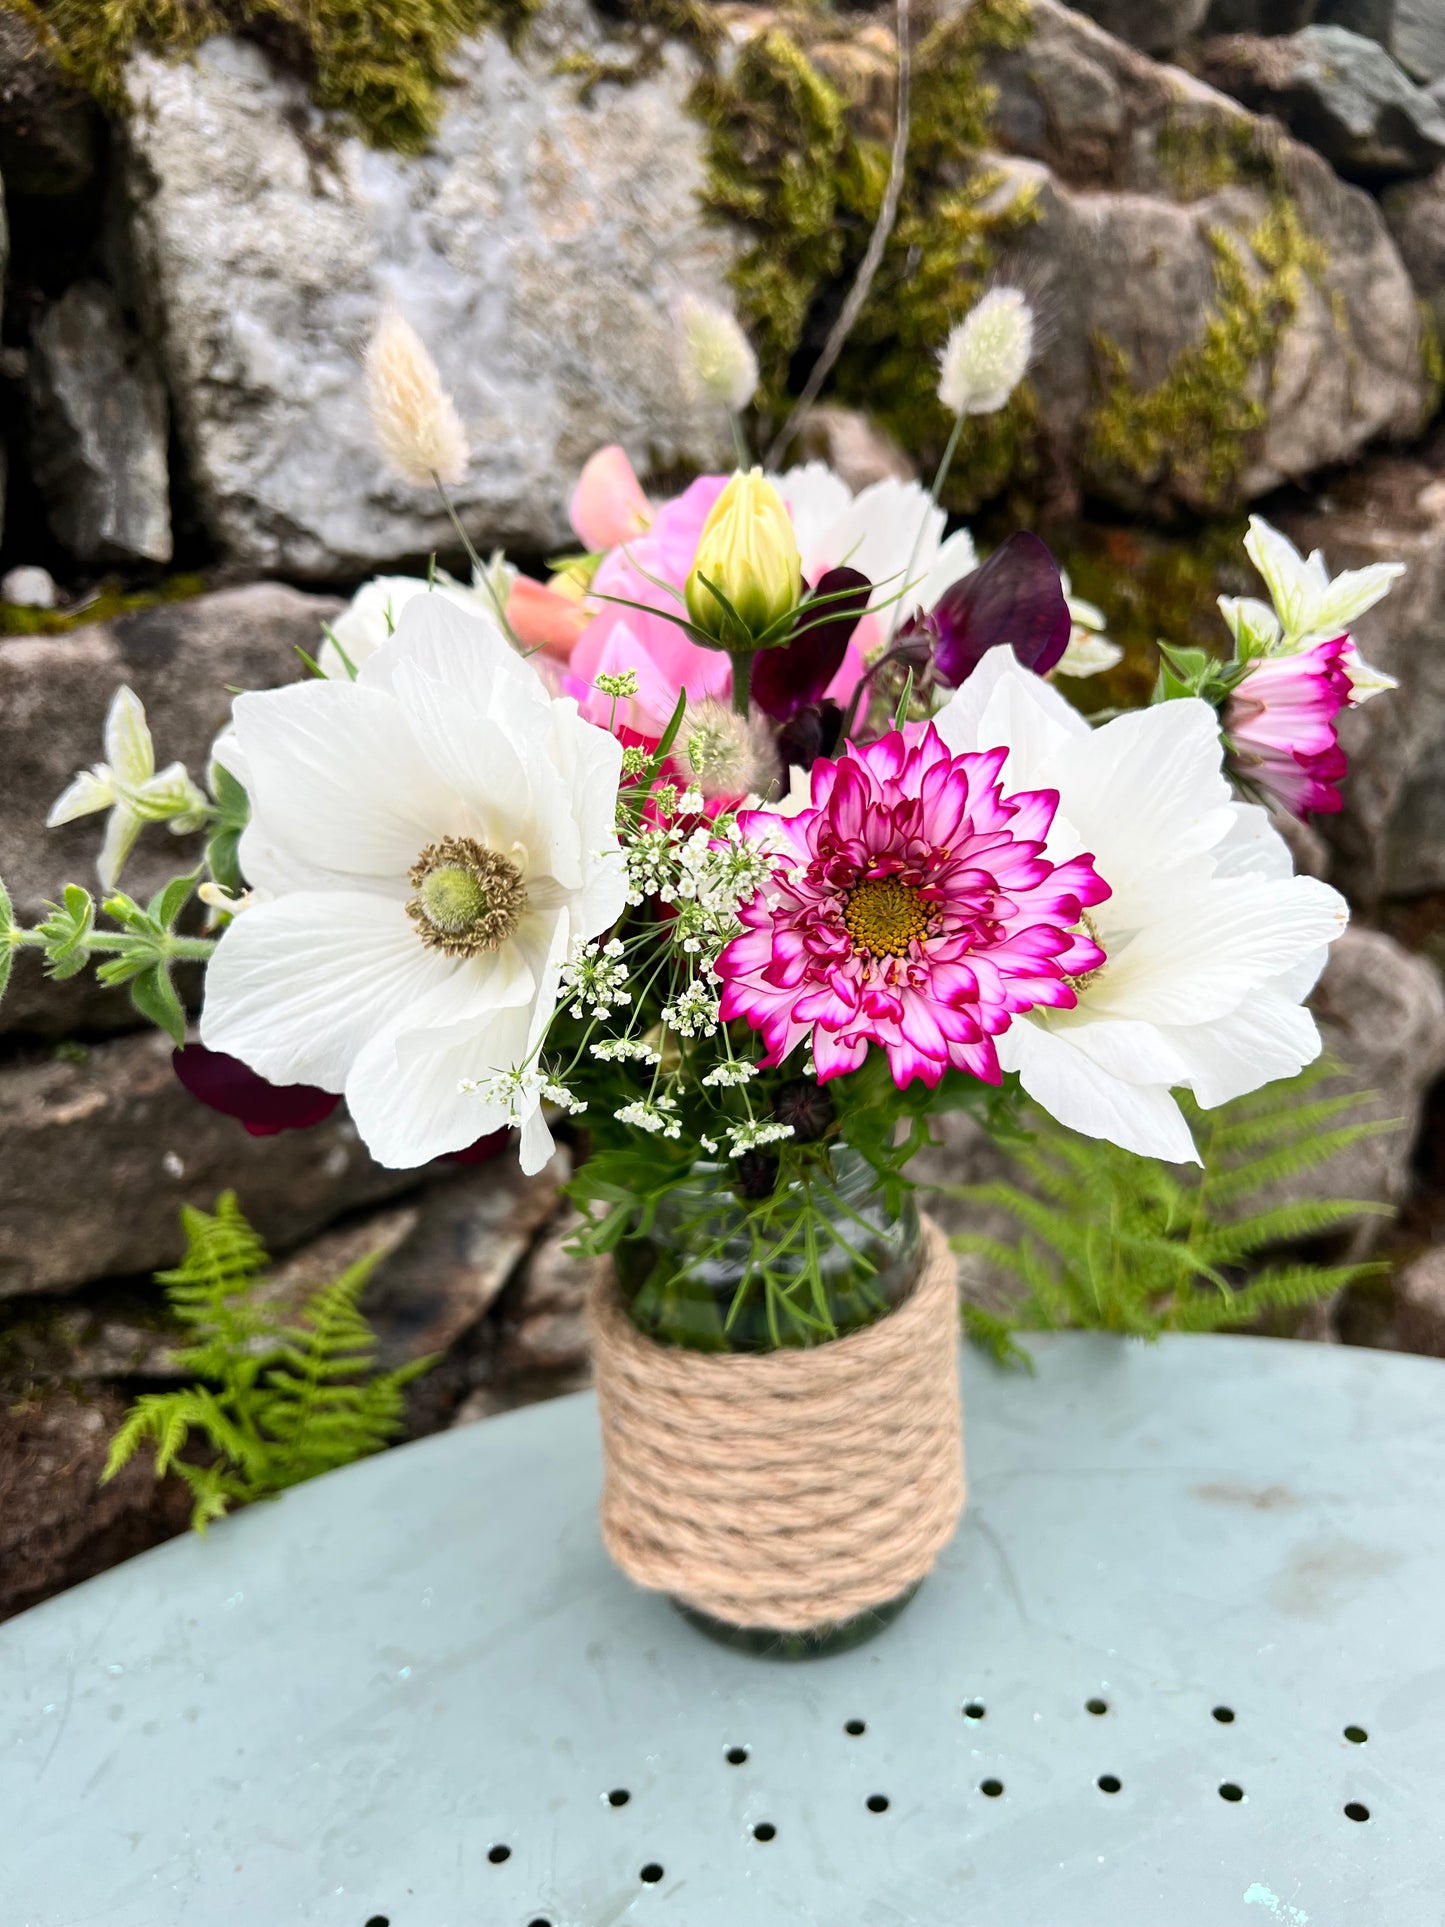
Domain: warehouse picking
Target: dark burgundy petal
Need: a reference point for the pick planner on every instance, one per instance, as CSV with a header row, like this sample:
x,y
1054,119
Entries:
x,y
797,673
1015,598
482,1152
812,733
227,1085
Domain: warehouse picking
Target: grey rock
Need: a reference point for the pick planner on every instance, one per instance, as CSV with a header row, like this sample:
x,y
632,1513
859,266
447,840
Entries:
x,y
1372,18
1259,16
48,128
543,1324
1419,1312
535,247
1414,212
99,425
1389,841
99,1155
29,587
1154,26
857,448
1125,161
1338,91
1412,30
54,691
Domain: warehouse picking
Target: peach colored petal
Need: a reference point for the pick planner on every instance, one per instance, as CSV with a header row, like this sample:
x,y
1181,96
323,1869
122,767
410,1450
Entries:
x,y
608,506
543,619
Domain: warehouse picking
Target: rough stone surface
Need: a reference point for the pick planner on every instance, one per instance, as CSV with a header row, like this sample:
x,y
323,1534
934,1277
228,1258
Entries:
x,y
1382,1015
1419,1323
48,128
99,425
535,247
1259,16
1155,26
54,691
1338,91
1390,838
1144,167
860,451
99,1156
1415,215
1412,30
58,1525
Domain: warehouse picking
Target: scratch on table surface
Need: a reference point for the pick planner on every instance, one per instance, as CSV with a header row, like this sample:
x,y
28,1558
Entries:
x,y
981,1524
1258,1895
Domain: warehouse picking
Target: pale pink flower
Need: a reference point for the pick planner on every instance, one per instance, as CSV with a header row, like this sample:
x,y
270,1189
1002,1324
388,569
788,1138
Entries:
x,y
911,908
608,505
1279,724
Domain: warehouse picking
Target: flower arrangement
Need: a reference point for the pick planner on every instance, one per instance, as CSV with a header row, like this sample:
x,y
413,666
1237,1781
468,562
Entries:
x,y
754,835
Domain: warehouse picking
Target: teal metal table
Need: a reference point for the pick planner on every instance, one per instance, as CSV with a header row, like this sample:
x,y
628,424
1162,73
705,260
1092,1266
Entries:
x,y
1183,1665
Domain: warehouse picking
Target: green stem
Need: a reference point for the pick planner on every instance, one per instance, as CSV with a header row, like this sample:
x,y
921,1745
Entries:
x,y
480,568
742,661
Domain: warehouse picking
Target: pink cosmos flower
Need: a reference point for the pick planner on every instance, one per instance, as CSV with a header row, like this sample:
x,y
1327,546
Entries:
x,y
909,907
1280,724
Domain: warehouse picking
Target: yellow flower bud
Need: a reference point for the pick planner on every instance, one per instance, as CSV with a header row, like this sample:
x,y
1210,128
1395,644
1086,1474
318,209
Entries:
x,y
748,549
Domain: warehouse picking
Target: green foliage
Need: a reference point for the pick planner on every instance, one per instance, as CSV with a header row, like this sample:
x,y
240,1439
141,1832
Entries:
x,y
110,600
223,845
380,63
275,1401
1114,1242
141,954
786,164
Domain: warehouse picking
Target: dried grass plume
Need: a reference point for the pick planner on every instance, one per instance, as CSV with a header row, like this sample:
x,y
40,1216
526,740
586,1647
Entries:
x,y
416,422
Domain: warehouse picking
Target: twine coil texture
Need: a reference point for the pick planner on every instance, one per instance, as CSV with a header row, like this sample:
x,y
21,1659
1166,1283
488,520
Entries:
x,y
789,1489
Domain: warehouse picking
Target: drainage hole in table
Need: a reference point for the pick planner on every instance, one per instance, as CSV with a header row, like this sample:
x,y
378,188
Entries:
x,y
1225,1715
736,1755
975,1710
1229,1791
618,1797
1354,1811
993,1788
855,1727
877,1802
378,1920
651,1873
1097,1707
1357,1734
498,1854
765,1830
539,1922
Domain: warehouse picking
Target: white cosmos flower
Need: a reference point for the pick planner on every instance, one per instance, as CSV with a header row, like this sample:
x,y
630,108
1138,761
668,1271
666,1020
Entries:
x,y
1212,942
434,836
891,531
373,612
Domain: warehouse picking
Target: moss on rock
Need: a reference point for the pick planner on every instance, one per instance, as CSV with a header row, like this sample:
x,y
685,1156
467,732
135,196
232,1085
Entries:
x,y
379,63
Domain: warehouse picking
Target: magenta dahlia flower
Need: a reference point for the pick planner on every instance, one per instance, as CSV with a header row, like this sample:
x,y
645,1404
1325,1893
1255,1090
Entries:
x,y
910,907
1280,726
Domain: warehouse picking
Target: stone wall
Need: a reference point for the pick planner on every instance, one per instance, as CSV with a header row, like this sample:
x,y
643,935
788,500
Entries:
x,y
1229,216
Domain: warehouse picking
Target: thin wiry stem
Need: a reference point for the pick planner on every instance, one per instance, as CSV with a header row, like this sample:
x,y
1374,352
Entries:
x,y
872,258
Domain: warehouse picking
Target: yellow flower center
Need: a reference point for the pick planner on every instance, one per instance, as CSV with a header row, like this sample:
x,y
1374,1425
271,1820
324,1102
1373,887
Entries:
x,y
468,898
883,916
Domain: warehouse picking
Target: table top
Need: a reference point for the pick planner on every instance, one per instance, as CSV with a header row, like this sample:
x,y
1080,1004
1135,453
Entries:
x,y
1183,1664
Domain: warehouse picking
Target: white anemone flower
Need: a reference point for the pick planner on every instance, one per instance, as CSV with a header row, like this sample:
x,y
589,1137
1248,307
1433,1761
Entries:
x,y
372,614
434,836
892,531
1211,941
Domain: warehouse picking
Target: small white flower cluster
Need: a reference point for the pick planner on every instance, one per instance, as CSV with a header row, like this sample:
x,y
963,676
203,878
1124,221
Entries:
x,y
519,1090
728,1076
596,978
652,1114
651,859
751,1135
693,1012
619,686
626,1050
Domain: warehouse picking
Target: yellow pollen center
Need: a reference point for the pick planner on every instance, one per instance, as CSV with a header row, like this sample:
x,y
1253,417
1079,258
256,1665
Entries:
x,y
883,916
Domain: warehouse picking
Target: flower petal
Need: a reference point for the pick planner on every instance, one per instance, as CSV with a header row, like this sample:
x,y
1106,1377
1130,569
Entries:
x,y
1073,1089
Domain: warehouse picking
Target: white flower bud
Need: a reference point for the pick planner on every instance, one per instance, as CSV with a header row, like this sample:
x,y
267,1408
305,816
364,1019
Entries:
x,y
416,423
719,361
985,356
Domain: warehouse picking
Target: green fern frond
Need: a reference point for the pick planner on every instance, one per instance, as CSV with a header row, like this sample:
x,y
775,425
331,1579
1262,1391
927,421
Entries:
x,y
1114,1242
276,1401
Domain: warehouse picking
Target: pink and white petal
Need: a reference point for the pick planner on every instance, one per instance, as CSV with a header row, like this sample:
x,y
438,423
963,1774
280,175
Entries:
x,y
1073,1089
298,987
340,780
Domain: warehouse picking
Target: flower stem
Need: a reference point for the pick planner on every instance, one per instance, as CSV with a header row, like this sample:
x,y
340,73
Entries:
x,y
742,661
479,568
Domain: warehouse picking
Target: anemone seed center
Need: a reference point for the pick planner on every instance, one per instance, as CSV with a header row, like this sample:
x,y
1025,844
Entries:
x,y
468,898
883,916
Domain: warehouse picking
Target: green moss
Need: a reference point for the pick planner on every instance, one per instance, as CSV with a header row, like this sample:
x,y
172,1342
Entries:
x,y
112,599
786,164
1197,156
379,63
1201,418
1432,362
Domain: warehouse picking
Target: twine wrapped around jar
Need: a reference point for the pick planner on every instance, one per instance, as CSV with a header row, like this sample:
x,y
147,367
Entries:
x,y
789,1489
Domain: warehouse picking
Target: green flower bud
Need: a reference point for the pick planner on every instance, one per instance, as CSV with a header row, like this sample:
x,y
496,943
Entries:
x,y
749,552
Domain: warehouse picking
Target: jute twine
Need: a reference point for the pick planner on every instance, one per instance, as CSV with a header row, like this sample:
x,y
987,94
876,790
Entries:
x,y
787,1489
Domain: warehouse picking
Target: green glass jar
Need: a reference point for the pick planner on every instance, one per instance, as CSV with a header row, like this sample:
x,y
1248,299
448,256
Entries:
x,y
717,1274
